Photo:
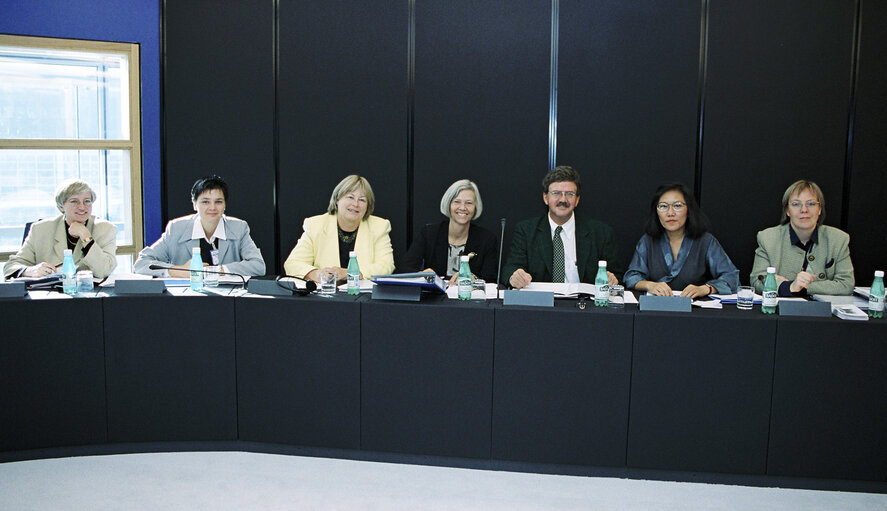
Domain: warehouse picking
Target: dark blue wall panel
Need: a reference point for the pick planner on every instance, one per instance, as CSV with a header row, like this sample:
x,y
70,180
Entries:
x,y
134,21
219,95
868,177
482,89
343,108
777,102
627,104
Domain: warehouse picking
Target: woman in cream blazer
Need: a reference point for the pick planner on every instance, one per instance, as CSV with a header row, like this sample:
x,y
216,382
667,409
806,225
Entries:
x,y
93,241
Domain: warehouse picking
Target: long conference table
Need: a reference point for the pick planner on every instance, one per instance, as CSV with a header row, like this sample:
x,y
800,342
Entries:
x,y
712,391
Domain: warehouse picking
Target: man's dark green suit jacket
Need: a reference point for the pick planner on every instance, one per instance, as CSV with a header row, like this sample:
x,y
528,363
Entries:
x,y
531,249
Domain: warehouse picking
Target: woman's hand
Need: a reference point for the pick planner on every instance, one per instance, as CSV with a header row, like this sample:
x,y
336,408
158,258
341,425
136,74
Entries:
x,y
802,280
654,288
78,230
39,270
341,274
182,271
696,291
454,280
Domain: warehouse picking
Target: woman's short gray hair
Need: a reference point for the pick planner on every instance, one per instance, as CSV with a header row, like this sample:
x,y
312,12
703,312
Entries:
x,y
69,188
348,185
453,191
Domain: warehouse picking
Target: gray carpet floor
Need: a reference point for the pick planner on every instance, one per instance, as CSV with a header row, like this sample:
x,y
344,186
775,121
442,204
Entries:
x,y
246,481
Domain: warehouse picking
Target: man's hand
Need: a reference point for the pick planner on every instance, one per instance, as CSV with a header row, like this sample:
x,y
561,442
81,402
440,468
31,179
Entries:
x,y
520,278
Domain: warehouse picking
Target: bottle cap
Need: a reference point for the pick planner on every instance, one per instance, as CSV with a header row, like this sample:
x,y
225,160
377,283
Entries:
x,y
68,251
352,254
195,250
463,259
602,263
879,273
771,269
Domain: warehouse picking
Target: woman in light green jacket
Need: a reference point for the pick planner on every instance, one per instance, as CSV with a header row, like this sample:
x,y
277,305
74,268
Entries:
x,y
810,258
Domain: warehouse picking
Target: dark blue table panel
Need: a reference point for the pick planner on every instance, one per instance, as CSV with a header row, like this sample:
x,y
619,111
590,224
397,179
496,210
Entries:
x,y
426,378
561,384
170,367
708,391
830,400
700,391
52,374
298,371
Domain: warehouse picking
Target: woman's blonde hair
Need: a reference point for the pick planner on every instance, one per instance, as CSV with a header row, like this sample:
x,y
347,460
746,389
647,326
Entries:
x,y
348,185
798,187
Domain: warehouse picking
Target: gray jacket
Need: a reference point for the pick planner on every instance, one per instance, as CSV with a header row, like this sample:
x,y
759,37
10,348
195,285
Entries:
x,y
238,253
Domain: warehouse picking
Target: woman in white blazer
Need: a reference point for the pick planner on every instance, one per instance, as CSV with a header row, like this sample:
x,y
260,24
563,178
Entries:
x,y
348,225
223,240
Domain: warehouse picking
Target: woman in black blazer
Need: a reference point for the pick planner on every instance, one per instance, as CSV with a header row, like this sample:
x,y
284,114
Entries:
x,y
438,246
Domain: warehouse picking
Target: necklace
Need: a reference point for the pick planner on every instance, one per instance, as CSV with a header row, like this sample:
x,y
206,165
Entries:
x,y
347,237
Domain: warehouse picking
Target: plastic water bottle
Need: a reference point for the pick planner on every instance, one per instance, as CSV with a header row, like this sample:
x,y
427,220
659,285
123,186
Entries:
x,y
876,296
768,305
601,285
353,274
69,274
196,270
466,281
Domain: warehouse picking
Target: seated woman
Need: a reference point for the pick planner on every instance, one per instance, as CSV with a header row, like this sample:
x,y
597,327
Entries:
x,y
809,257
438,246
93,241
348,225
223,240
677,253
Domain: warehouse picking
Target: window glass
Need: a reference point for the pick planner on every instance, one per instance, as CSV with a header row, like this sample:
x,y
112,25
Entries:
x,y
69,109
28,178
63,94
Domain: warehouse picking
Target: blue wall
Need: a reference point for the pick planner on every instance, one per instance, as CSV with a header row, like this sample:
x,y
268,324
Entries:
x,y
132,21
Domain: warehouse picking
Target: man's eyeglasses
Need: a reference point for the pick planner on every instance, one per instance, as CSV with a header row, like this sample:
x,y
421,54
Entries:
x,y
676,206
557,194
796,204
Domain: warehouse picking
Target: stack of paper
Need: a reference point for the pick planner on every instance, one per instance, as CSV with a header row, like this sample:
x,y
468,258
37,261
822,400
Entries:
x,y
491,292
850,312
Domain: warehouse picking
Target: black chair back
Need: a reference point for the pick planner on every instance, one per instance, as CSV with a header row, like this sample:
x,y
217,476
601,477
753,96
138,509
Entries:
x,y
28,229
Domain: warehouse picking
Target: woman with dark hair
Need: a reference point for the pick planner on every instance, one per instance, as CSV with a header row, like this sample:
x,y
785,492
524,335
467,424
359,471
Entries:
x,y
677,252
223,240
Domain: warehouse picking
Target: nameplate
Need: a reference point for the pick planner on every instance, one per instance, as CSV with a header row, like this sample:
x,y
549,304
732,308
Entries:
x,y
139,287
272,287
12,290
665,303
809,309
397,292
531,298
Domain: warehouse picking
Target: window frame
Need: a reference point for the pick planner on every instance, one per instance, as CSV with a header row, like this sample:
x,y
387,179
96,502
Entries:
x,y
133,144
